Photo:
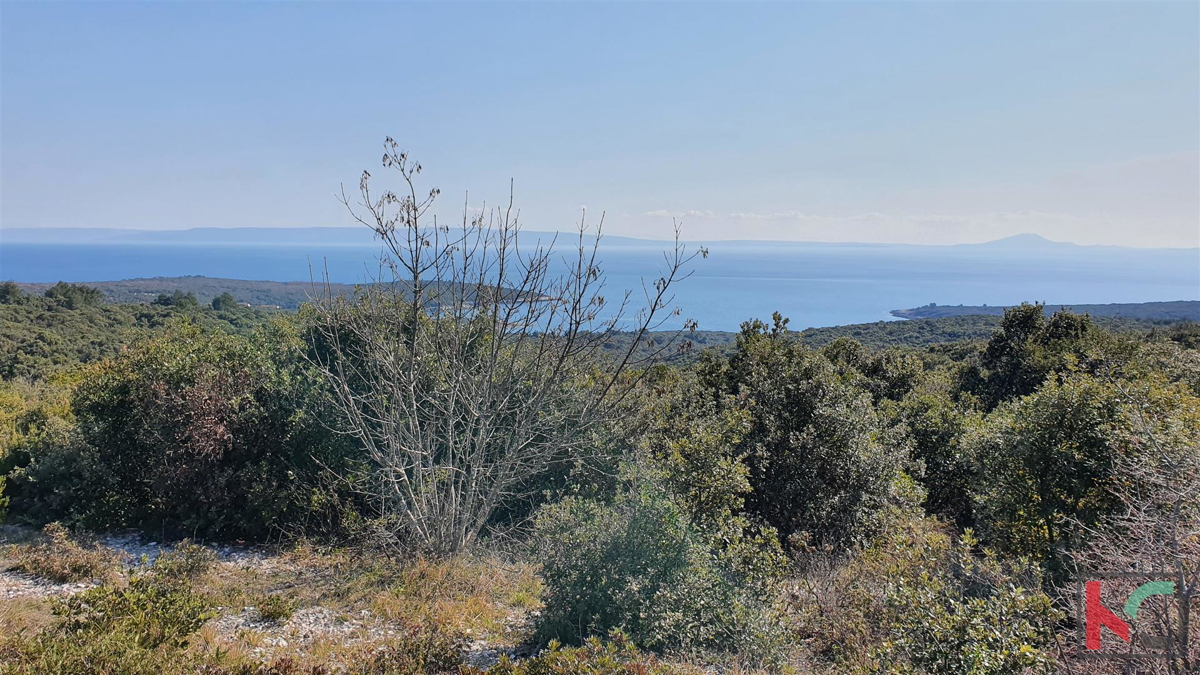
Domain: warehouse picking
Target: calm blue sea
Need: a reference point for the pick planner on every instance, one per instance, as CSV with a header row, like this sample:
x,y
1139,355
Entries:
x,y
814,285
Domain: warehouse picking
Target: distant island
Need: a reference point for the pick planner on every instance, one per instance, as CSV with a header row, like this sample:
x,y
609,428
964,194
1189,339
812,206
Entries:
x,y
1178,310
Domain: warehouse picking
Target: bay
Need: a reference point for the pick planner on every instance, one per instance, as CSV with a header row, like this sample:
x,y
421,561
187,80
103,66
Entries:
x,y
812,284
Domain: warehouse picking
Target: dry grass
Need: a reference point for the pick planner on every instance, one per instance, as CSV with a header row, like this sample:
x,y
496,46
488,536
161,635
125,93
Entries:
x,y
468,595
373,598
24,614
276,607
419,609
58,557
461,594
383,614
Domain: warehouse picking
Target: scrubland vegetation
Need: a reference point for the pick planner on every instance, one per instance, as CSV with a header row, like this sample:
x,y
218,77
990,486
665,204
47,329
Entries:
x,y
444,476
281,294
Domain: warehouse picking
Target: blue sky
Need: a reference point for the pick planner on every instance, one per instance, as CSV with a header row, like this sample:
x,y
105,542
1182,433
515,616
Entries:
x,y
931,122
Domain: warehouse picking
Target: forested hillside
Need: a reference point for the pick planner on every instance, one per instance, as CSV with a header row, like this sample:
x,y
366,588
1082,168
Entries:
x,y
923,332
270,294
70,324
40,331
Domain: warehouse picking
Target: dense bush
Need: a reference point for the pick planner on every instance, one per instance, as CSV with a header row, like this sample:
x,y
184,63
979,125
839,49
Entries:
x,y
1029,347
697,443
1050,460
887,374
936,423
970,617
11,293
1051,429
1047,466
34,416
178,299
637,565
917,600
224,302
74,296
190,433
822,465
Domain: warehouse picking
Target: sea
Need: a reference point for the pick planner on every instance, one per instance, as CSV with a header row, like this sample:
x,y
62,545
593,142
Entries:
x,y
811,284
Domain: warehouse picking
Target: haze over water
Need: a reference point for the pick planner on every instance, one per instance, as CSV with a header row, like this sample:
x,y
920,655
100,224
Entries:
x,y
812,284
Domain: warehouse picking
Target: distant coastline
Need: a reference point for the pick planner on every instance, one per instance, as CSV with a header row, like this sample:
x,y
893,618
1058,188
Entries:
x,y
920,327
1178,310
291,294
812,284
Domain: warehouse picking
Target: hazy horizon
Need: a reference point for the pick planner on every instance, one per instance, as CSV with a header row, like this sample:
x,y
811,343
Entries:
x,y
915,123
1027,239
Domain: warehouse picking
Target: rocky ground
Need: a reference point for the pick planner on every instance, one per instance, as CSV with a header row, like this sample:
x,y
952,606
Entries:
x,y
19,585
129,548
311,628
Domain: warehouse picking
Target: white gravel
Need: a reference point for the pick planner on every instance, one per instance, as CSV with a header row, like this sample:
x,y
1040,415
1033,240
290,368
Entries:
x,y
17,585
304,627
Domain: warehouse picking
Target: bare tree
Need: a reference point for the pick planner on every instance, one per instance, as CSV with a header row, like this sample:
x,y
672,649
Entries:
x,y
475,359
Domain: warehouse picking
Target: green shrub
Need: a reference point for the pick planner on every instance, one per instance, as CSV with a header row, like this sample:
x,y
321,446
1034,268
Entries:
x,y
40,336
696,443
60,558
153,610
224,302
1028,348
140,628
821,464
115,652
1051,461
74,296
971,618
415,650
936,424
919,601
638,566
184,562
178,299
192,433
33,416
11,293
276,607
1045,458
1007,633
